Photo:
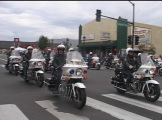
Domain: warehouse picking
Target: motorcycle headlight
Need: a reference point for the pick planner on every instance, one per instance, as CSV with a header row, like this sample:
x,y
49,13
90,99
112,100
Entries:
x,y
40,63
17,59
79,72
151,72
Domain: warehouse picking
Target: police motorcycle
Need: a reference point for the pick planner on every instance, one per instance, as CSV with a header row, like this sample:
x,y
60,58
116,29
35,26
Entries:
x,y
71,86
142,81
35,70
113,62
15,62
158,67
95,62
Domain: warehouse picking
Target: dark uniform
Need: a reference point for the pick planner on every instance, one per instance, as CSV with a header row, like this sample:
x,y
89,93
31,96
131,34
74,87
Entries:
x,y
58,63
8,60
8,55
26,58
130,60
89,60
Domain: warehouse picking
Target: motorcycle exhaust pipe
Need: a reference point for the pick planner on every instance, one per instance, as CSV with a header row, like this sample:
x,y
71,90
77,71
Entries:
x,y
120,88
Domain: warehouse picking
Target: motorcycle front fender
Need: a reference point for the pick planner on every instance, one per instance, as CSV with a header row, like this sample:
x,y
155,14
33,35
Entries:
x,y
98,63
79,85
152,81
39,72
16,65
148,82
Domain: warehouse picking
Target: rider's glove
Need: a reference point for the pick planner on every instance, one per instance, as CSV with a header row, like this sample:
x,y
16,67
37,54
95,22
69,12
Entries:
x,y
130,66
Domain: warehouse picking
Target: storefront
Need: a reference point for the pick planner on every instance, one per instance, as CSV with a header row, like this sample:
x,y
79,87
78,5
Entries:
x,y
102,38
110,36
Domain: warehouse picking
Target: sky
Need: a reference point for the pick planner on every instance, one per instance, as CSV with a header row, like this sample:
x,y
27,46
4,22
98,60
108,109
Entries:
x,y
28,20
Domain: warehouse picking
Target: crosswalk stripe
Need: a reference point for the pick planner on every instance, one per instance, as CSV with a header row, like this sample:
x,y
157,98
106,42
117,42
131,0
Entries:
x,y
51,108
114,111
135,102
2,65
11,112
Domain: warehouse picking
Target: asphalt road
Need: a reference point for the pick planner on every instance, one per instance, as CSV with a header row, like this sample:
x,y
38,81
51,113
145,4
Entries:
x,y
26,101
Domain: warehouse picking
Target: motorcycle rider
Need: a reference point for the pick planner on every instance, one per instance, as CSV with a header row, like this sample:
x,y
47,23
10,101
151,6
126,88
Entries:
x,y
110,59
129,64
8,55
89,60
26,58
58,63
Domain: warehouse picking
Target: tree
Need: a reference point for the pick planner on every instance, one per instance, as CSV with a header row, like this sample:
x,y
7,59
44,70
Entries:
x,y
147,47
43,42
67,44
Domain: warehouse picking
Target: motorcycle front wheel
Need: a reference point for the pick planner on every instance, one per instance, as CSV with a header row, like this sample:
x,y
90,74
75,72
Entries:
x,y
40,80
98,67
154,92
79,99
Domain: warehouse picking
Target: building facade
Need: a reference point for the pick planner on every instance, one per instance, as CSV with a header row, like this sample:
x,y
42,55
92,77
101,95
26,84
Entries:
x,y
110,36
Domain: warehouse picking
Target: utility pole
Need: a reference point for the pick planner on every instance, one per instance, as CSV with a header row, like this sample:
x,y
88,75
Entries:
x,y
133,24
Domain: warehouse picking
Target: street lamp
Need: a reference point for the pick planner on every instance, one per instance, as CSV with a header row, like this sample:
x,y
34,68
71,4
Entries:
x,y
133,23
84,45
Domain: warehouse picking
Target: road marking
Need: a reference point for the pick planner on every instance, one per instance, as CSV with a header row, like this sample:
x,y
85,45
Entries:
x,y
134,102
2,65
3,59
50,107
104,107
11,112
114,111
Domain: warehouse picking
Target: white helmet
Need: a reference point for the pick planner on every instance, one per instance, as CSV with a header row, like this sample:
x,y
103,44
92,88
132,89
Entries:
x,y
49,49
139,54
90,53
29,48
61,47
71,49
12,47
110,53
128,49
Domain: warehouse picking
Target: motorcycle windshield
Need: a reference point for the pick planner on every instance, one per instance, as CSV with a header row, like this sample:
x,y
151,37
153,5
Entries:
x,y
37,54
15,53
146,60
74,58
52,54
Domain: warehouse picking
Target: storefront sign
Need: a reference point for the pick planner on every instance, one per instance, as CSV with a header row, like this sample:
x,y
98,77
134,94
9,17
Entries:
x,y
105,36
88,37
143,33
